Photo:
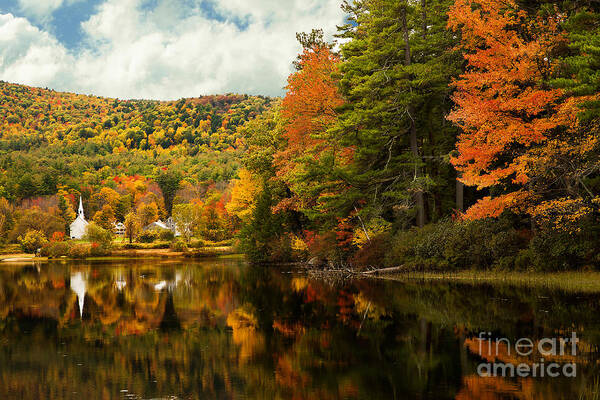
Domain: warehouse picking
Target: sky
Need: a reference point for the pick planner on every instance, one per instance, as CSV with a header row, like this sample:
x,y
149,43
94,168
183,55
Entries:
x,y
157,49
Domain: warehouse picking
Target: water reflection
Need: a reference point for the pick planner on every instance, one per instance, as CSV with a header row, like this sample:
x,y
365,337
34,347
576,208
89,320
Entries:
x,y
220,329
78,285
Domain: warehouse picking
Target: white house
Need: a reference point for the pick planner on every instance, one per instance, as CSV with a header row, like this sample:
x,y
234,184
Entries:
x,y
169,225
79,226
119,228
173,227
156,226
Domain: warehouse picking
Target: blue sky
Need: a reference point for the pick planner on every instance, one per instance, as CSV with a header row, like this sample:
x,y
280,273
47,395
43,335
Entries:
x,y
64,22
159,49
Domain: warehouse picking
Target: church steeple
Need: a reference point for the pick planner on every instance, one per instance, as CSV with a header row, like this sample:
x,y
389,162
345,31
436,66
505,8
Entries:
x,y
78,228
80,212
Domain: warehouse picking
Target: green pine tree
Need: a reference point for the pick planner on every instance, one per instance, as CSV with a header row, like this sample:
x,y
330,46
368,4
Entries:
x,y
397,68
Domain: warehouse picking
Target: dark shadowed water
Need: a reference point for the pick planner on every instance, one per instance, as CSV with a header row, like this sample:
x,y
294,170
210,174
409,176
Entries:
x,y
222,329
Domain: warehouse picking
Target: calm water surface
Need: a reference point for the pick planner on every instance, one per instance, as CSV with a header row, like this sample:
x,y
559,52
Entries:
x,y
221,329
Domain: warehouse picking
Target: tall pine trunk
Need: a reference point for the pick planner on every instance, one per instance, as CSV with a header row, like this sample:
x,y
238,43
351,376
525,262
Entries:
x,y
414,147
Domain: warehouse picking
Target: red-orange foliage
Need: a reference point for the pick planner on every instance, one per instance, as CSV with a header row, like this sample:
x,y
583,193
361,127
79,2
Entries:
x,y
503,106
57,237
308,110
310,102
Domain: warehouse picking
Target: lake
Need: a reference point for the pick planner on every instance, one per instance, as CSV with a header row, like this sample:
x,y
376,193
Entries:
x,y
222,329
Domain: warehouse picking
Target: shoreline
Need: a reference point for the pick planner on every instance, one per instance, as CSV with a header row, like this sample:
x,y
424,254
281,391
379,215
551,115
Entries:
x,y
571,281
126,254
568,281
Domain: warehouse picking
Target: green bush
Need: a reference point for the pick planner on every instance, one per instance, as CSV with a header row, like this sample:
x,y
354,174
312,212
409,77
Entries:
x,y
99,235
133,246
412,247
146,246
32,240
280,249
166,235
147,237
179,245
98,250
200,243
550,250
454,245
494,244
80,250
56,249
524,260
197,243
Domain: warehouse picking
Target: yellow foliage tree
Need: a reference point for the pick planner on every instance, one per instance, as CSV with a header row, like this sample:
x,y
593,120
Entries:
x,y
147,213
105,217
243,195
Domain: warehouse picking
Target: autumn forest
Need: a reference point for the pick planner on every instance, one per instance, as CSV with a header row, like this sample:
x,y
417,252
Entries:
x,y
432,135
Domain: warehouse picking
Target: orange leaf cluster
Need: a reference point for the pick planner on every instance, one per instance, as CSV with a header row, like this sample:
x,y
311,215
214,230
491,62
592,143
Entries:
x,y
309,107
503,107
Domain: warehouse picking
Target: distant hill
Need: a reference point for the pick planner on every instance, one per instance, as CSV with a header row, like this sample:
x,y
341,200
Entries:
x,y
50,139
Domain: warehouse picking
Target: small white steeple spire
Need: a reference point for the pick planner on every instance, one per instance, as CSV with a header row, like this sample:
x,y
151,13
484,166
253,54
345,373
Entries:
x,y
80,212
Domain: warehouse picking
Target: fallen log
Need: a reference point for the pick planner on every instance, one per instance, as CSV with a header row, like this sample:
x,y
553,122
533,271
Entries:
x,y
384,270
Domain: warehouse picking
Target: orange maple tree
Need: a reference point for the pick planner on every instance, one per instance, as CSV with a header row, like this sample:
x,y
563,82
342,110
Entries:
x,y
503,105
308,110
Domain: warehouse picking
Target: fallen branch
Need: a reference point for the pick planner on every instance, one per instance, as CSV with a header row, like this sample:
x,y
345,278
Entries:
x,y
384,270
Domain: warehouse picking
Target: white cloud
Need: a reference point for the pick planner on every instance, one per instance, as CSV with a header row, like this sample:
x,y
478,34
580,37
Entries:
x,y
41,10
170,51
28,55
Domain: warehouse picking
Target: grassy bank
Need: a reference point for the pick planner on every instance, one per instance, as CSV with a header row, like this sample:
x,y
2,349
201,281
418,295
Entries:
x,y
572,281
121,253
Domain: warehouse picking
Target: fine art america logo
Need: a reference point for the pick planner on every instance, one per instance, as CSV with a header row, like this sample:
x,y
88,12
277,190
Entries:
x,y
547,353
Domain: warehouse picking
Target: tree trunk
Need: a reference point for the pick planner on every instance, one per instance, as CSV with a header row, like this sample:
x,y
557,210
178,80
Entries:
x,y
424,18
414,147
460,195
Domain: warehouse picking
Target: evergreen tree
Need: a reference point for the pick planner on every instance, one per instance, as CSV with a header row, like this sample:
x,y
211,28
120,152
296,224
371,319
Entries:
x,y
169,184
259,237
394,76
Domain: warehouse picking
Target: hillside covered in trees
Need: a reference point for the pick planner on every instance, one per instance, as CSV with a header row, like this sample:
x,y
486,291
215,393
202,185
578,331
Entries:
x,y
119,156
50,140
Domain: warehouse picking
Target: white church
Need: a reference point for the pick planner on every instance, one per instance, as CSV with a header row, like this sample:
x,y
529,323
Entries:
x,y
79,227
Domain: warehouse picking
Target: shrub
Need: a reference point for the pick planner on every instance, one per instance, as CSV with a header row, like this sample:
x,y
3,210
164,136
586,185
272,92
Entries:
x,y
550,250
166,235
481,244
32,240
524,260
179,245
147,237
133,246
324,246
197,243
97,250
142,246
280,249
56,249
373,252
57,237
80,250
99,235
411,247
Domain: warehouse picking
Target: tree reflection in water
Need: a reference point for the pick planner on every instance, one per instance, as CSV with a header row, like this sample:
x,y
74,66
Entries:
x,y
226,330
